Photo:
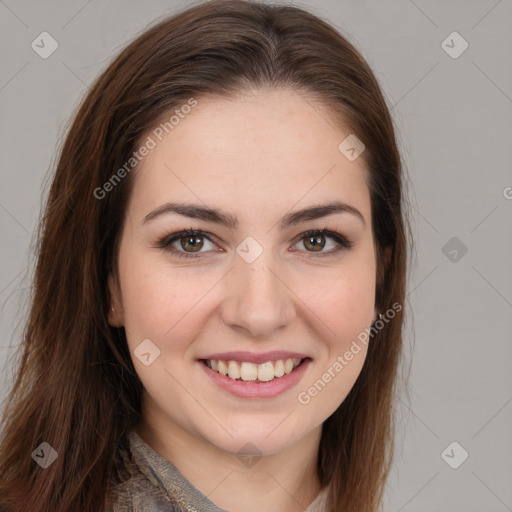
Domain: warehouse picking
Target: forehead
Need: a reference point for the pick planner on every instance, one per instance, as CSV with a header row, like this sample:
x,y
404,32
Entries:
x,y
264,151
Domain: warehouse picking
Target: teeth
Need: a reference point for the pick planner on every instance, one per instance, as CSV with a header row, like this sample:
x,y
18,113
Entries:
x,y
279,368
248,371
245,371
223,369
265,371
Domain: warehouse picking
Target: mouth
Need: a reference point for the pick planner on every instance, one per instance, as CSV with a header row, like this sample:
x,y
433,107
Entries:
x,y
256,373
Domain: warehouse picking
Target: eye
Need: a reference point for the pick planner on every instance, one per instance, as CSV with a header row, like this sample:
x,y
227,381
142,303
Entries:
x,y
186,243
189,243
315,241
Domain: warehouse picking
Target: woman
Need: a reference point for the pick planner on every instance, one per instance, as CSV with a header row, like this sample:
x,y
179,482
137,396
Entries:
x,y
217,309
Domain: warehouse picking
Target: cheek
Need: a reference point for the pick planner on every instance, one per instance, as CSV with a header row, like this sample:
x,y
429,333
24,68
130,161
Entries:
x,y
343,298
347,310
349,305
163,303
344,303
158,304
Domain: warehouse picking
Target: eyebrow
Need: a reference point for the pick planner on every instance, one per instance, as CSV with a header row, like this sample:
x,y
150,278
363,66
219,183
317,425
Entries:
x,y
196,211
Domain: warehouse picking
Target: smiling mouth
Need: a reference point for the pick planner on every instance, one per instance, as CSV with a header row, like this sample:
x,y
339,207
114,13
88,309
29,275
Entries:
x,y
252,372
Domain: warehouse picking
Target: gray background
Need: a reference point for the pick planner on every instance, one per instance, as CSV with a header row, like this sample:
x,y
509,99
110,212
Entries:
x,y
455,124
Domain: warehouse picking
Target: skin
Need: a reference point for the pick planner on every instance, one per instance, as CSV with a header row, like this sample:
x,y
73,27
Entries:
x,y
257,156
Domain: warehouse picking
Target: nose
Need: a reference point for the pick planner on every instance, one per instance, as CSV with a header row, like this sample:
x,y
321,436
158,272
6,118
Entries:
x,y
258,300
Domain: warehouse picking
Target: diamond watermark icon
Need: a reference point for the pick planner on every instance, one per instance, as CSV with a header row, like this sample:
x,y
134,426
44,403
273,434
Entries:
x,y
454,45
454,249
454,455
44,45
249,249
146,352
44,455
351,147
249,454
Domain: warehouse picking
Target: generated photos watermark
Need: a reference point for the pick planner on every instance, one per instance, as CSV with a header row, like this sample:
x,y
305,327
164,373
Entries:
x,y
304,397
150,143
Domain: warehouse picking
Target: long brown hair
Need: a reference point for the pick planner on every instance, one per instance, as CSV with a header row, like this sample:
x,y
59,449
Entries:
x,y
76,387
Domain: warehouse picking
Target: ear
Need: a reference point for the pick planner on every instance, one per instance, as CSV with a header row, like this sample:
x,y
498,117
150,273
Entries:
x,y
115,312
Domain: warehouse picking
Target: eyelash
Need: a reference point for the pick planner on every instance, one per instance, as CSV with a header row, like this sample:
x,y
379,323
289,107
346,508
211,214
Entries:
x,y
165,242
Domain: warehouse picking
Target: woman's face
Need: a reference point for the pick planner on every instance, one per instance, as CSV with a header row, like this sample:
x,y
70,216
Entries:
x,y
255,285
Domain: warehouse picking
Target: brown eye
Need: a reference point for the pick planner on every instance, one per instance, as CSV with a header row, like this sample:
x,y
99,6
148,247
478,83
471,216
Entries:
x,y
314,243
191,243
188,243
317,240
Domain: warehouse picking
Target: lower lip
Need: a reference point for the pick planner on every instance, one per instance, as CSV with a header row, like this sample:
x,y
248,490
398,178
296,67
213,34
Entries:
x,y
250,389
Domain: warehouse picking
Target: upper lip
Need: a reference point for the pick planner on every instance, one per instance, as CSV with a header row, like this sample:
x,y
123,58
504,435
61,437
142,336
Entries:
x,y
251,357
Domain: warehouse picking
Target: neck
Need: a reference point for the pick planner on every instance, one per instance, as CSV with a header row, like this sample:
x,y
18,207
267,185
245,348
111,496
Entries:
x,y
286,481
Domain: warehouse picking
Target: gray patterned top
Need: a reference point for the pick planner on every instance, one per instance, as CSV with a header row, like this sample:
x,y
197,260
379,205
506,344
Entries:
x,y
156,485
